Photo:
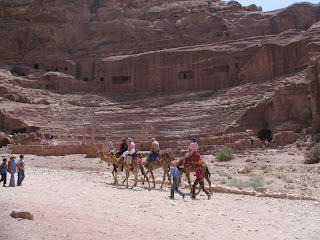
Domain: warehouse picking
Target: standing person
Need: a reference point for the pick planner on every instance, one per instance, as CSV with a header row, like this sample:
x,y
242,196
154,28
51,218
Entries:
x,y
3,171
155,150
131,149
199,179
175,177
194,147
12,169
20,166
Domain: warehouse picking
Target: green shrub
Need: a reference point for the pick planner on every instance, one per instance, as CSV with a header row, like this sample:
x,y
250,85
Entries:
x,y
312,156
252,182
307,113
269,102
316,137
225,154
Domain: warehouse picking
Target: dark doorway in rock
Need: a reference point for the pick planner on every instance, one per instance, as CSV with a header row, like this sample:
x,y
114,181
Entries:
x,y
265,134
101,79
85,79
36,66
66,68
236,65
56,69
120,79
185,75
19,130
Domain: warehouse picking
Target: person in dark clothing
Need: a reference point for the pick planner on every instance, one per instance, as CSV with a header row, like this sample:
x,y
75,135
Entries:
x,y
123,147
3,171
199,180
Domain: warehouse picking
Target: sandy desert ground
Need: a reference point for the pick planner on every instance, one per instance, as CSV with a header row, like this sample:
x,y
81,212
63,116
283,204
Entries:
x,y
72,197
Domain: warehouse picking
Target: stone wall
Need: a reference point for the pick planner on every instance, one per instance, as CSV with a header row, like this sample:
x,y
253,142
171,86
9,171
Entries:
x,y
55,150
174,70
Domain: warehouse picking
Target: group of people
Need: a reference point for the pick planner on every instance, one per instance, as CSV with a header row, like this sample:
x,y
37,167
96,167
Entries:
x,y
264,144
12,166
128,148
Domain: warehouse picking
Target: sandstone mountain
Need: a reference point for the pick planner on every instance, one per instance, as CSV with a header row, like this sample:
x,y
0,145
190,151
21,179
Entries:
x,y
217,70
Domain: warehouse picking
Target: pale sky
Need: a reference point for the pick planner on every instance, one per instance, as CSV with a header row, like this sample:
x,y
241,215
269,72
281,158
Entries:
x,y
270,5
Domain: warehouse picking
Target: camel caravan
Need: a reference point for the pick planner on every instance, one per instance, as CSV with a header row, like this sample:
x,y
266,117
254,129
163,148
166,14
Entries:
x,y
129,160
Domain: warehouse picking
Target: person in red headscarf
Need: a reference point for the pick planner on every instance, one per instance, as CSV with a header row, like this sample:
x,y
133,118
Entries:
x,y
199,180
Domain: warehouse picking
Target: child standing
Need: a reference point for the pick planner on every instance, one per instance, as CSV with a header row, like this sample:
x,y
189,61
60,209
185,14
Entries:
x,y
199,180
3,171
175,177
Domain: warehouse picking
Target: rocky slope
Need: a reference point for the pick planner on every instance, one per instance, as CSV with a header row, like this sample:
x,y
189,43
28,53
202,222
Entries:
x,y
230,73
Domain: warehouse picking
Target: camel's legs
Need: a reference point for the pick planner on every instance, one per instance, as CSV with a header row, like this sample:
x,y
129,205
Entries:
x,y
145,176
113,174
127,175
164,177
188,177
169,177
154,183
116,176
209,182
135,178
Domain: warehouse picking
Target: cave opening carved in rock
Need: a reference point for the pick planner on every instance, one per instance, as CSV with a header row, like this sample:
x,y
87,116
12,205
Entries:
x,y
120,79
265,134
18,130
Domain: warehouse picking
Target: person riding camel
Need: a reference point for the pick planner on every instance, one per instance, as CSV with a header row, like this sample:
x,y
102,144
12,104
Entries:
x,y
123,148
194,147
155,150
199,180
131,150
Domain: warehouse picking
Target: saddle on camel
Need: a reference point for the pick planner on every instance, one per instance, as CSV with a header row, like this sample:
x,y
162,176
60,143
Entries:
x,y
190,161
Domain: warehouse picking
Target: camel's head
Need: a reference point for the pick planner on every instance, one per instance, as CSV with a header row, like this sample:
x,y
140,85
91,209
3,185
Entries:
x,y
99,153
102,157
111,154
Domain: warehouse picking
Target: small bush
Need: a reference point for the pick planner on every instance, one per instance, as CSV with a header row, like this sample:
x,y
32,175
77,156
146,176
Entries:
x,y
316,137
307,113
286,179
252,182
225,154
269,102
313,156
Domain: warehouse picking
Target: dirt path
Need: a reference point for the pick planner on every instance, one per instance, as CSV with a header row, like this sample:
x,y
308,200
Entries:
x,y
84,204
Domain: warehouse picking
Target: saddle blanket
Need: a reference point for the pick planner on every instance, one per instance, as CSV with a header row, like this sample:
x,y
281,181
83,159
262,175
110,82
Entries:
x,y
192,159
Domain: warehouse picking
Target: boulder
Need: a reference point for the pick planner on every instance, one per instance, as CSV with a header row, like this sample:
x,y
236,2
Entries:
x,y
22,214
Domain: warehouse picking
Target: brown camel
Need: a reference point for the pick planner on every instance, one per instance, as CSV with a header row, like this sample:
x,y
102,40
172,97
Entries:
x,y
134,166
187,171
117,165
164,162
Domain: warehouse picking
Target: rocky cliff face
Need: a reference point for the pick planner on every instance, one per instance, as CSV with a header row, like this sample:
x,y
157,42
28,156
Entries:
x,y
122,65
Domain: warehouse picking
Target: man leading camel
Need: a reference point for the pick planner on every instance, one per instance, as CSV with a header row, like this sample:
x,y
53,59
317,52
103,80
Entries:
x,y
199,180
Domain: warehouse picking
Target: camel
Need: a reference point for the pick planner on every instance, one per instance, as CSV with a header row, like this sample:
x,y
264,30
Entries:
x,y
133,166
164,162
187,171
117,165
